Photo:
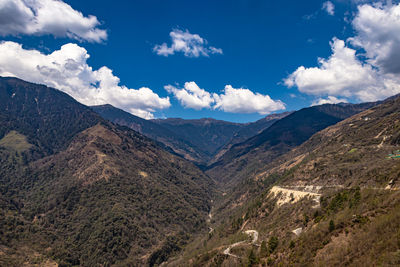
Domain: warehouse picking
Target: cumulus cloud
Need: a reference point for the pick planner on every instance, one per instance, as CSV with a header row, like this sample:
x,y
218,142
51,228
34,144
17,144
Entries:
x,y
378,31
191,96
41,17
232,100
67,70
191,45
241,100
369,74
341,74
329,7
328,100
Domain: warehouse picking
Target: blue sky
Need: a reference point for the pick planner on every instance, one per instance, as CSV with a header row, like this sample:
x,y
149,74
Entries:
x,y
259,45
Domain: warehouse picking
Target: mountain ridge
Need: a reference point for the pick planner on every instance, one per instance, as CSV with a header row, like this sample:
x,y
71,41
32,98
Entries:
x,y
245,158
189,138
334,200
83,191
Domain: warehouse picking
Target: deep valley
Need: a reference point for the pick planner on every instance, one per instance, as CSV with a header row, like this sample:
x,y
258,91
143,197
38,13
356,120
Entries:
x,y
96,186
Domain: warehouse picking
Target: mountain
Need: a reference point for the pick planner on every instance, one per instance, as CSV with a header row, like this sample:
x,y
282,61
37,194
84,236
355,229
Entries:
x,y
244,159
364,145
249,130
254,128
205,135
316,187
213,137
76,189
152,130
332,201
45,116
196,140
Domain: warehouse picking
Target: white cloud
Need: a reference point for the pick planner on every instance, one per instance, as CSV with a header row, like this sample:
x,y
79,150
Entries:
x,y
378,33
343,74
369,74
328,100
191,45
231,100
67,70
41,17
191,96
243,100
329,7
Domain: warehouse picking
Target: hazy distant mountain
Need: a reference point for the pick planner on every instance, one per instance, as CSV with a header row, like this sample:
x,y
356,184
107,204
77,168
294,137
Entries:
x,y
205,135
152,130
79,190
197,140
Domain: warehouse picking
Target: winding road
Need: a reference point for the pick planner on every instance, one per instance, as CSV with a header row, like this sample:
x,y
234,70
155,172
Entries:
x,y
252,233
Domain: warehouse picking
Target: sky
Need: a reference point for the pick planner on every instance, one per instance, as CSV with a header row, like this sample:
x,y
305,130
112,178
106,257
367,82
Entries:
x,y
235,60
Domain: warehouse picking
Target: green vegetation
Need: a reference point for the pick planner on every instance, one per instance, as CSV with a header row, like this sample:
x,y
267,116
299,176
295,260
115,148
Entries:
x,y
263,249
76,190
356,221
331,226
352,150
15,141
252,259
72,189
272,244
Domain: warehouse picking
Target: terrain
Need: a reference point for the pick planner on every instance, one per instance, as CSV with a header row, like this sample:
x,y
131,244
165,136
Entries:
x,y
152,130
96,186
334,200
246,158
201,141
79,190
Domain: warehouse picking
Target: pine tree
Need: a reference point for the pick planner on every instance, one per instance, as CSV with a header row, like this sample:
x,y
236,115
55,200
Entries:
x,y
252,259
263,249
331,226
272,244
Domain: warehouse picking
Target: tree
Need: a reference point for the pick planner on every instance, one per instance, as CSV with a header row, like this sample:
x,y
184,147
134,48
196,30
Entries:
x,y
263,249
252,259
272,244
331,226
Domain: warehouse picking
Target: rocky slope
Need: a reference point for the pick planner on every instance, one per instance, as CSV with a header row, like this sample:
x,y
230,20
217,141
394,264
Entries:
x,y
334,200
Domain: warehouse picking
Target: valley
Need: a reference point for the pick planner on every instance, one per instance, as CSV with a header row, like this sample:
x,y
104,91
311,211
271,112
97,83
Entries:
x,y
97,186
199,133
318,203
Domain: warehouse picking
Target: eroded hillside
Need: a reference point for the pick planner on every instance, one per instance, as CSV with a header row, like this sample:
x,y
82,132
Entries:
x,y
334,200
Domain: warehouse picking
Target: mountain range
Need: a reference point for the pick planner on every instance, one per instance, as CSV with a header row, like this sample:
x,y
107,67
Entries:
x,y
198,140
97,186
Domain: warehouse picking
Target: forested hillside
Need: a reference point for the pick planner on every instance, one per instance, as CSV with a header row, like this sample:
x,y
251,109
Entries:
x,y
78,190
